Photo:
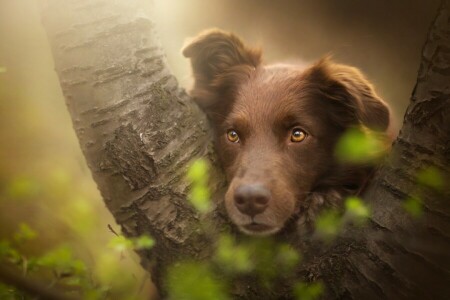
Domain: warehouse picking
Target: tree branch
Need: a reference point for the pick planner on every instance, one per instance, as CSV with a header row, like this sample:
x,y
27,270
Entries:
x,y
32,287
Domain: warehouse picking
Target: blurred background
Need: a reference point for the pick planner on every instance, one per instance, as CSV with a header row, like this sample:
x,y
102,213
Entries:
x,y
44,181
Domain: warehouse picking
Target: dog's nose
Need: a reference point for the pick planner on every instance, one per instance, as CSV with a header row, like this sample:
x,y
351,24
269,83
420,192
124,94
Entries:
x,y
251,199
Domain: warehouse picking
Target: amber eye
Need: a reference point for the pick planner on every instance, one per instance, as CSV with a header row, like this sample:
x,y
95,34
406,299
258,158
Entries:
x,y
232,136
297,135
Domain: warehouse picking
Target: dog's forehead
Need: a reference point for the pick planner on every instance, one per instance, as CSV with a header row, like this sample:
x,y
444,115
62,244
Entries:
x,y
272,93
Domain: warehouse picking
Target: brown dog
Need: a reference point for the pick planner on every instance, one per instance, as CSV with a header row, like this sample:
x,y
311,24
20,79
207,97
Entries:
x,y
276,127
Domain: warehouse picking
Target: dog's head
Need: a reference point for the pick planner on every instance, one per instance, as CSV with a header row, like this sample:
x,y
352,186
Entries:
x,y
276,126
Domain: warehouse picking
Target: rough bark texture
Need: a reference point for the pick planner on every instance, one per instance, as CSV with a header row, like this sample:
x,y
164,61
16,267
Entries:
x,y
138,131
406,257
136,127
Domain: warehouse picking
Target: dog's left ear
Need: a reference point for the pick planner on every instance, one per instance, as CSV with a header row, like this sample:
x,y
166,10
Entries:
x,y
218,59
351,93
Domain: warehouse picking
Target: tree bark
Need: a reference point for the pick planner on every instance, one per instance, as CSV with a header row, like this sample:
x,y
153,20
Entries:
x,y
138,131
404,257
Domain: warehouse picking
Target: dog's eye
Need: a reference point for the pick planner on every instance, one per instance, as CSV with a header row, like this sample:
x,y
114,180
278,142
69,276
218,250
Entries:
x,y
297,135
232,136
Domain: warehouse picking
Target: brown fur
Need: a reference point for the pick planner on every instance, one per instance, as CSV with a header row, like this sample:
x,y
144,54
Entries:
x,y
263,104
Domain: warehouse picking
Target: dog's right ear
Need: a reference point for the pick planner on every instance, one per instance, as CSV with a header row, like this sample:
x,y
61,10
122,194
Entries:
x,y
218,59
353,96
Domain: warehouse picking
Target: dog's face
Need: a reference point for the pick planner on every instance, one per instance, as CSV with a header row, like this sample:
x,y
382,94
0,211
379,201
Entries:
x,y
276,126
274,142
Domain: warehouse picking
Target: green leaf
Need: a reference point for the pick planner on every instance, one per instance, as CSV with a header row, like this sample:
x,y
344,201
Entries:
x,y
33,264
144,242
120,243
287,257
304,291
198,171
78,266
357,210
199,197
194,281
328,224
61,260
24,233
358,146
7,252
232,257
431,177
57,257
413,205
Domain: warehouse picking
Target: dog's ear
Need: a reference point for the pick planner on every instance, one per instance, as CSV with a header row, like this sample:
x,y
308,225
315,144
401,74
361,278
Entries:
x,y
218,58
351,93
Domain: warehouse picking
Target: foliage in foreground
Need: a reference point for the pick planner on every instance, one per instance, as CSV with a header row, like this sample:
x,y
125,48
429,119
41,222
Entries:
x,y
268,261
64,271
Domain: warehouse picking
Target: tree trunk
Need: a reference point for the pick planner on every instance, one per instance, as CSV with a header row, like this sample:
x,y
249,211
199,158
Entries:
x,y
138,131
404,257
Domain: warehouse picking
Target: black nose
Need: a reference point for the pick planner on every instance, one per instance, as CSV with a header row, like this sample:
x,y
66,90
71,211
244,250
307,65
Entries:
x,y
251,199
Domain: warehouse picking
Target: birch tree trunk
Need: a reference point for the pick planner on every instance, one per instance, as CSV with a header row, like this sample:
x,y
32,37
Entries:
x,y
138,131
